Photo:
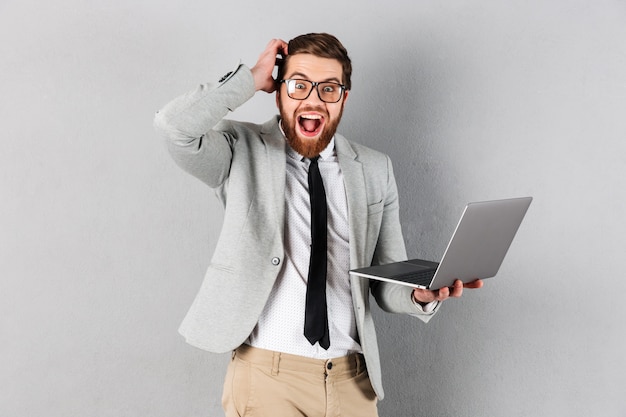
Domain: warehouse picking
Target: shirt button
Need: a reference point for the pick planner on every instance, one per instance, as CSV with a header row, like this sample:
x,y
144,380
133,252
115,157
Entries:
x,y
329,366
275,261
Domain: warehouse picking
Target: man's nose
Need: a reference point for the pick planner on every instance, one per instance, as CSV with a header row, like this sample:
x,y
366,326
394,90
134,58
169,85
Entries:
x,y
314,97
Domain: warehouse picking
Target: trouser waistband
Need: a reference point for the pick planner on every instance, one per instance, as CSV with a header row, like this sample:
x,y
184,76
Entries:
x,y
349,365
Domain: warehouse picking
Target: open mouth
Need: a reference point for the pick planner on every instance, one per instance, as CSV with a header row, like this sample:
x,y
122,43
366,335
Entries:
x,y
310,124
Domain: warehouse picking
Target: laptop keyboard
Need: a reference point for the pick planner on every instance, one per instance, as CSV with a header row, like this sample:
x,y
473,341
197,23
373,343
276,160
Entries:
x,y
419,277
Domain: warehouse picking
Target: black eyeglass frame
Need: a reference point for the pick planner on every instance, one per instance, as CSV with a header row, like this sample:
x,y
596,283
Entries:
x,y
315,86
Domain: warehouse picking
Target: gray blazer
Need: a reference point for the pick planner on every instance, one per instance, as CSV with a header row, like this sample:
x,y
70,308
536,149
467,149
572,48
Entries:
x,y
246,165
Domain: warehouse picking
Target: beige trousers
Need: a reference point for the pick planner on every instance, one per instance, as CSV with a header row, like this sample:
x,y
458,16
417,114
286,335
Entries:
x,y
262,383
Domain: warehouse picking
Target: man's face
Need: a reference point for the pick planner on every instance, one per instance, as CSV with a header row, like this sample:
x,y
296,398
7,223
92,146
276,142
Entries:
x,y
310,124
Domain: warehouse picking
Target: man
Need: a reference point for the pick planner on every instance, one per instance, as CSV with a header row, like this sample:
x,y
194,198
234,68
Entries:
x,y
298,350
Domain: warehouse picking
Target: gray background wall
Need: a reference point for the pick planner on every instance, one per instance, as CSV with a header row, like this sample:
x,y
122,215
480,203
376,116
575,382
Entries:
x,y
104,241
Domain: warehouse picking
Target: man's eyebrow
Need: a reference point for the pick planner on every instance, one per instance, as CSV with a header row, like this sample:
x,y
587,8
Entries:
x,y
302,76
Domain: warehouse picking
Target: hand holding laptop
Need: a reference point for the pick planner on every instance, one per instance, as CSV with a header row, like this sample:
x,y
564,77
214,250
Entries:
x,y
476,250
424,296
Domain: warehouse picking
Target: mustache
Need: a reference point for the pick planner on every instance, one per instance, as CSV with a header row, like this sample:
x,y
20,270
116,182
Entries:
x,y
309,108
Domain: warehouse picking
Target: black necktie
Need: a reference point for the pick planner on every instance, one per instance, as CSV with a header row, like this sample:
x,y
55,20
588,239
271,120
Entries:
x,y
316,314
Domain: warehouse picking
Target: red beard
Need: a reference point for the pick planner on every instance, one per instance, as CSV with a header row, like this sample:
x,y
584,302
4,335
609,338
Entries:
x,y
309,147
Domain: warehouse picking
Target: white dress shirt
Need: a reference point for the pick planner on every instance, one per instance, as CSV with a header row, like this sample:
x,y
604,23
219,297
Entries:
x,y
281,325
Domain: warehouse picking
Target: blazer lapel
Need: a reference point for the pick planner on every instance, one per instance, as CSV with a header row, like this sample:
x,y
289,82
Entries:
x,y
354,180
276,165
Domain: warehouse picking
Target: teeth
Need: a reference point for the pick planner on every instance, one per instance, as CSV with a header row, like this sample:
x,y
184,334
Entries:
x,y
311,116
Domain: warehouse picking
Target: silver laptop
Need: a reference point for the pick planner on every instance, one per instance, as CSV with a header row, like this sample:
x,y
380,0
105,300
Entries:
x,y
476,249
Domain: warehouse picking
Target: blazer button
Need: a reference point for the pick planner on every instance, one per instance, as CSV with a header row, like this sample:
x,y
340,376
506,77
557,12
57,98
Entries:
x,y
275,261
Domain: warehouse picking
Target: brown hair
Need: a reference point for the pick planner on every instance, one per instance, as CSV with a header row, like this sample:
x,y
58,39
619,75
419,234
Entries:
x,y
322,45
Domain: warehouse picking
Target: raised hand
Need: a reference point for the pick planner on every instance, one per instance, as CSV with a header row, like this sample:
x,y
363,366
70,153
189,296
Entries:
x,y
274,53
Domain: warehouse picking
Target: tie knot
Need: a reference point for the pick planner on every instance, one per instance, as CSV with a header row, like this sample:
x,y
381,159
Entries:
x,y
313,165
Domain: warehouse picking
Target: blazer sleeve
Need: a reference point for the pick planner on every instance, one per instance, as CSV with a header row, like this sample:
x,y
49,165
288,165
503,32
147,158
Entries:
x,y
197,138
390,247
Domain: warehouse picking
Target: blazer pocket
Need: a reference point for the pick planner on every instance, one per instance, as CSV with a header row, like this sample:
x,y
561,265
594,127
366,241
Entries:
x,y
375,208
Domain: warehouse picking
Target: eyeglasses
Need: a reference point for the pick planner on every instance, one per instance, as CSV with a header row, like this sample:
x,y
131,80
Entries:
x,y
327,91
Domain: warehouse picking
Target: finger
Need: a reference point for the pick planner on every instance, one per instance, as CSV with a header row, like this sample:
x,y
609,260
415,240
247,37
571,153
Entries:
x,y
457,289
283,50
443,294
478,283
278,47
